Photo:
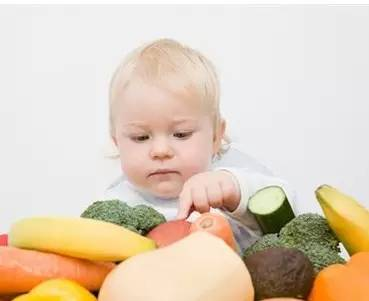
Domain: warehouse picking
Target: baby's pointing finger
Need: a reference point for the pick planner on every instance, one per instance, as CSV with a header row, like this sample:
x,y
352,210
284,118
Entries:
x,y
215,196
200,199
185,204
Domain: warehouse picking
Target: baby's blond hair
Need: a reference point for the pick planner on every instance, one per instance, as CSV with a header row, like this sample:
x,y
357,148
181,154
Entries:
x,y
170,64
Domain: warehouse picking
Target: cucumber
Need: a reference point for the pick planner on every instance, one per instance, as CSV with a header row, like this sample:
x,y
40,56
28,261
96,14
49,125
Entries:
x,y
271,209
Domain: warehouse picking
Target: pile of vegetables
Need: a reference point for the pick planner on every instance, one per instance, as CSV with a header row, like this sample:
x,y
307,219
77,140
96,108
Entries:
x,y
308,233
117,252
278,268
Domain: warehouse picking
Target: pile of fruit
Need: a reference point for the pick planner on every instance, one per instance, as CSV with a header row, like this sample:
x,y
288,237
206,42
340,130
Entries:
x,y
135,255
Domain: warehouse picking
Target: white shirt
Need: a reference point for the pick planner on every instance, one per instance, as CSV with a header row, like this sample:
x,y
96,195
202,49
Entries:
x,y
249,173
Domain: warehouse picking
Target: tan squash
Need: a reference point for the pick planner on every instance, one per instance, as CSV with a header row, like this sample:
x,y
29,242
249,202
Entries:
x,y
200,267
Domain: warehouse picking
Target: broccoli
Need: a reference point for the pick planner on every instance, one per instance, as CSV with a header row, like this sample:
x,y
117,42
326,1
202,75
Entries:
x,y
319,256
265,242
308,228
147,217
140,219
308,233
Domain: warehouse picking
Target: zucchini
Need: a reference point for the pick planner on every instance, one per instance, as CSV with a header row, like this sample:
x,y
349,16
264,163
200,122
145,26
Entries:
x,y
271,209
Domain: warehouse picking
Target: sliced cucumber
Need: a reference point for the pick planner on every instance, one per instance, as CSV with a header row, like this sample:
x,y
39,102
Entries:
x,y
271,209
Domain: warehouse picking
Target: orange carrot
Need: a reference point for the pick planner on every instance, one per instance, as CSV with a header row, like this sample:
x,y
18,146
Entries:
x,y
215,224
7,297
21,270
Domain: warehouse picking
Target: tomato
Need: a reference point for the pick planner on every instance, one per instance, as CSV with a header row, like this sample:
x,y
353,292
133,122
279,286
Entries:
x,y
169,232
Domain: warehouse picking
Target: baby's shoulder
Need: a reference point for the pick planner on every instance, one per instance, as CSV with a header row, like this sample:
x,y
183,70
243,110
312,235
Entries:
x,y
237,157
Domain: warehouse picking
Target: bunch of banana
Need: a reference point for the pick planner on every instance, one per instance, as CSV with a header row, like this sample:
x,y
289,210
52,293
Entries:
x,y
78,237
347,218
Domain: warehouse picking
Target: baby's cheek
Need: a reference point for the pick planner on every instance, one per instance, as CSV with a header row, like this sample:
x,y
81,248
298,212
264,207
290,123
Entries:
x,y
196,163
132,166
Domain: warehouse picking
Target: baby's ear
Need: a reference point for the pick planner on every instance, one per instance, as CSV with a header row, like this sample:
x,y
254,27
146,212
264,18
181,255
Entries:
x,y
110,149
219,135
114,140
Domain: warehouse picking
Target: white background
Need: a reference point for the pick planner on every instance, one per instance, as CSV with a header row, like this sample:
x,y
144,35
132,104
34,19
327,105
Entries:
x,y
295,92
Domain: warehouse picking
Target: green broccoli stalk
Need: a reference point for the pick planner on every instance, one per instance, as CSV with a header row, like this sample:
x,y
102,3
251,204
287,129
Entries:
x,y
140,219
308,233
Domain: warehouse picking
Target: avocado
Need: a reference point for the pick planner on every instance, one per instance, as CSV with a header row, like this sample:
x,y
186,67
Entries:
x,y
280,272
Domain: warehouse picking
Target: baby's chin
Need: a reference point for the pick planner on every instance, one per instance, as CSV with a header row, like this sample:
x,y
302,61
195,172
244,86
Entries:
x,y
166,190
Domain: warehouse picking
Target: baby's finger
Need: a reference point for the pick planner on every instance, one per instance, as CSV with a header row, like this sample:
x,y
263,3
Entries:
x,y
200,199
230,194
215,196
185,204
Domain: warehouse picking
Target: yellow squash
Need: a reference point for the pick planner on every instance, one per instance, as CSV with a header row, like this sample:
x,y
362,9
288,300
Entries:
x,y
57,290
78,237
30,297
348,219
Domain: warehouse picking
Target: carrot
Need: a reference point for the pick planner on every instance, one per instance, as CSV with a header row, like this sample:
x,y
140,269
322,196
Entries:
x,y
215,224
21,270
7,297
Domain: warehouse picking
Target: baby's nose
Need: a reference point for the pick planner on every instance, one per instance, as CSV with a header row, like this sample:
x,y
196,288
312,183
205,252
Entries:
x,y
160,149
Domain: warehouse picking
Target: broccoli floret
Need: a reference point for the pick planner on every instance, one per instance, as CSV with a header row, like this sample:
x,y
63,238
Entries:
x,y
140,219
265,242
321,257
308,233
113,211
308,228
148,218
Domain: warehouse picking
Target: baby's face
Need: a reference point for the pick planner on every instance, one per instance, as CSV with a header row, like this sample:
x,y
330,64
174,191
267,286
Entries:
x,y
163,138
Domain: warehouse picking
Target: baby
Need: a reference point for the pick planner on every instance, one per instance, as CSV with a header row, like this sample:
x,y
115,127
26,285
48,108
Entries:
x,y
170,136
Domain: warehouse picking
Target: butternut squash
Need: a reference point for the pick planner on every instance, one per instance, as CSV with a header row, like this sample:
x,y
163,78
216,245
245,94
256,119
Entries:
x,y
199,267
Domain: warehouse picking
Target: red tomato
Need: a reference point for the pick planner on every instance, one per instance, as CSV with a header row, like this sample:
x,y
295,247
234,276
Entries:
x,y
169,232
3,239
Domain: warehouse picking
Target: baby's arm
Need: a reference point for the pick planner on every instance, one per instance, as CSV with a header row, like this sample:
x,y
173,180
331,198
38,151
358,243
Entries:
x,y
249,183
228,189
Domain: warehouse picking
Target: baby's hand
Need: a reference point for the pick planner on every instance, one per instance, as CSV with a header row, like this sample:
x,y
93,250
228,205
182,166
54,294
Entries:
x,y
211,189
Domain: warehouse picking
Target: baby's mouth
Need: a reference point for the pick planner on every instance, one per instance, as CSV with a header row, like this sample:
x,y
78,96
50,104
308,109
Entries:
x,y
163,172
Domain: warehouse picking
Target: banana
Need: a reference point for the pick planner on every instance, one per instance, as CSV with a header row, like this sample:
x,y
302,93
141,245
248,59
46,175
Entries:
x,y
78,237
347,218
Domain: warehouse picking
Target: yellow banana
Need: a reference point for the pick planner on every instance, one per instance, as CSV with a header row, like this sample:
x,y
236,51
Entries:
x,y
347,218
78,237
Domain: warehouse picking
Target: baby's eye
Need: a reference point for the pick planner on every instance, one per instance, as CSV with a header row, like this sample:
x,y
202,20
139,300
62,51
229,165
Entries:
x,y
140,138
182,135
